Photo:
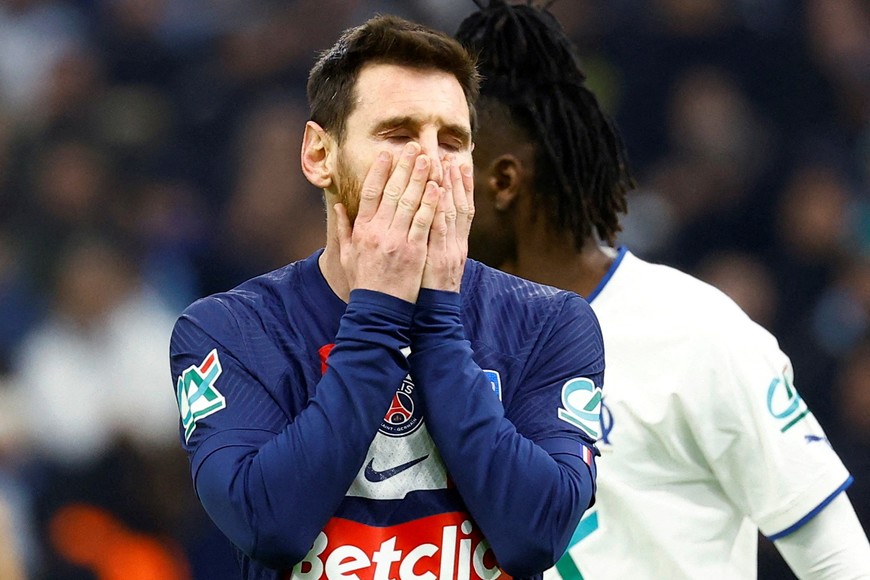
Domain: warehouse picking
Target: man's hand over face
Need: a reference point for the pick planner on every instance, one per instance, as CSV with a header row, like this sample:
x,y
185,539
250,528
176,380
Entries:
x,y
448,238
385,249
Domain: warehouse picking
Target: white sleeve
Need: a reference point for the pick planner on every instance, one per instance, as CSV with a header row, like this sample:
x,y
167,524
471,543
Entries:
x,y
830,546
765,447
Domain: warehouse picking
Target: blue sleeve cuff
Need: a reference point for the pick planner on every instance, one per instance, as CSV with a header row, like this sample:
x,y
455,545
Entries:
x,y
436,319
438,299
797,525
372,299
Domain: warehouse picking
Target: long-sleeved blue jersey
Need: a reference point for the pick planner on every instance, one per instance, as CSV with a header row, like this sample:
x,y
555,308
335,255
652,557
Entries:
x,y
448,439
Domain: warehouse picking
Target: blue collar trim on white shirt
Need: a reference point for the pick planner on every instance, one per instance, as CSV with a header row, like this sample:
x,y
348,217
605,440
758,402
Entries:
x,y
620,254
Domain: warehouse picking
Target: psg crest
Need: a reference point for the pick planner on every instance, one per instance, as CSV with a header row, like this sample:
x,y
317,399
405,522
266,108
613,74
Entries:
x,y
403,417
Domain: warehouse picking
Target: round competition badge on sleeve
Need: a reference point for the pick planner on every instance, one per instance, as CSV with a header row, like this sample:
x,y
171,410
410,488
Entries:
x,y
581,406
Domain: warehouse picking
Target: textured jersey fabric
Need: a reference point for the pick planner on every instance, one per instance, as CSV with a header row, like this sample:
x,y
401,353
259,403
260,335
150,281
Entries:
x,y
453,438
705,438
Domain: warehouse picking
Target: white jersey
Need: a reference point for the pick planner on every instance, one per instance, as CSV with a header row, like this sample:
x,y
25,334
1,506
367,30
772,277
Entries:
x,y
705,439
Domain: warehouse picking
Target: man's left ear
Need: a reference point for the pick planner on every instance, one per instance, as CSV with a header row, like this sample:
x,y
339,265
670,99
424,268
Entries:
x,y
503,180
317,147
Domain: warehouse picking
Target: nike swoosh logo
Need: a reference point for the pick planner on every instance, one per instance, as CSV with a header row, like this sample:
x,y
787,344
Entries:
x,y
374,476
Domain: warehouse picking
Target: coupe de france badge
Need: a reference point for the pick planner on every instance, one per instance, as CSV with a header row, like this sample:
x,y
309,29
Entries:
x,y
581,401
197,395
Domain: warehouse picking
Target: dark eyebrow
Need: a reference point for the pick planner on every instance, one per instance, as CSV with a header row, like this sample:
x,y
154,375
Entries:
x,y
405,122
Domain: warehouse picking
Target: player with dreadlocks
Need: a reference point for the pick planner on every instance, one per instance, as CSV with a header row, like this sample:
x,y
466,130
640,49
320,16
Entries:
x,y
704,438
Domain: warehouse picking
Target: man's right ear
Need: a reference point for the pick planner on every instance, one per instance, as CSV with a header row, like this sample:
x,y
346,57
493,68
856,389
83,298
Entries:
x,y
504,180
317,150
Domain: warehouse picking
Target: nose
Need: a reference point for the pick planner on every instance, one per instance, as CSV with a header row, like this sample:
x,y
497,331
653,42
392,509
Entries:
x,y
430,148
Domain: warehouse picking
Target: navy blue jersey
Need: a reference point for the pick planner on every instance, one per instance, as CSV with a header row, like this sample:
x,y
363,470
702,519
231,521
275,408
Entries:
x,y
451,438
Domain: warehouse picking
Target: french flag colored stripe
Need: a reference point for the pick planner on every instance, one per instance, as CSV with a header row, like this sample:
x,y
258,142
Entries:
x,y
209,360
587,455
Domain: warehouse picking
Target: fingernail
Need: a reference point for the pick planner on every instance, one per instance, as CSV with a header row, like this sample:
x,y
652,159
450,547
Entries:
x,y
383,156
467,170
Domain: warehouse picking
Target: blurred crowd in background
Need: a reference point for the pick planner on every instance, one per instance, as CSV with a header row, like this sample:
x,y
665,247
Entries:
x,y
149,156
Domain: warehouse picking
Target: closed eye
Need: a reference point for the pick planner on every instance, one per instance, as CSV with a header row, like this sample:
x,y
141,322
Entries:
x,y
452,145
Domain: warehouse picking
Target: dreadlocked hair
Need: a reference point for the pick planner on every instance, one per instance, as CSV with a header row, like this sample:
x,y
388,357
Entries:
x,y
529,65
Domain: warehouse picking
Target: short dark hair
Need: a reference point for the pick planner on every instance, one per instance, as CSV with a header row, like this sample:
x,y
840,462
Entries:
x,y
530,66
383,39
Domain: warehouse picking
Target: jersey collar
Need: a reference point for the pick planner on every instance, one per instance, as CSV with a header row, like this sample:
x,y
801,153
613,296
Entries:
x,y
620,254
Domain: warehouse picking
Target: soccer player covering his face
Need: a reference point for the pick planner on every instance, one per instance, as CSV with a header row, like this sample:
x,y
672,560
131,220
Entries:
x,y
387,408
705,439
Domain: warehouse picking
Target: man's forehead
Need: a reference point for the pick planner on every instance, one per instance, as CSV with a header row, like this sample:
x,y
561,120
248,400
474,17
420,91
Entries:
x,y
389,90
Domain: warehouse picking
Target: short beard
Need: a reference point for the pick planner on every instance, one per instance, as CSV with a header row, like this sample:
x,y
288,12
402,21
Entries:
x,y
349,188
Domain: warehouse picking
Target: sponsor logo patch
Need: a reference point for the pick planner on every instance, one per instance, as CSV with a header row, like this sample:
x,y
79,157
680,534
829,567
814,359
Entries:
x,y
196,392
440,547
374,476
581,405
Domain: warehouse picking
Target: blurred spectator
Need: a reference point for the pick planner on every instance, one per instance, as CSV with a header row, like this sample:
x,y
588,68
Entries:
x,y
92,391
853,399
852,393
11,566
69,192
34,35
6,161
92,370
716,169
169,226
20,305
746,280
18,537
838,32
273,216
812,237
841,317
